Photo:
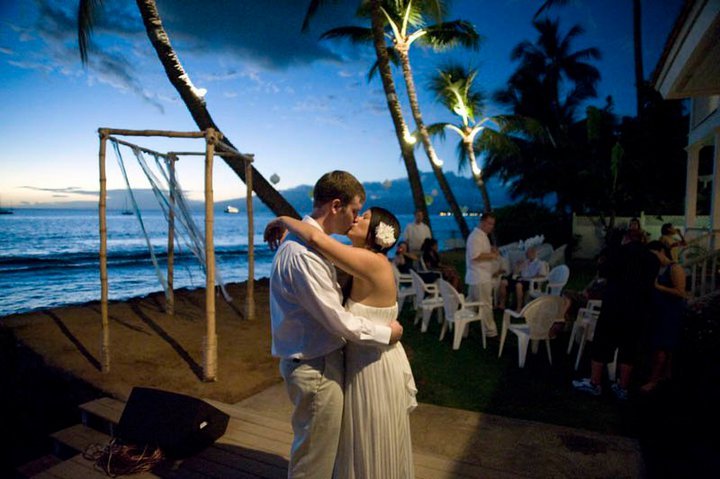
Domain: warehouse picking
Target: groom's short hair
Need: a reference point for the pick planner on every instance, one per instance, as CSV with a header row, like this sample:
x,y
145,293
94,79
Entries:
x,y
339,185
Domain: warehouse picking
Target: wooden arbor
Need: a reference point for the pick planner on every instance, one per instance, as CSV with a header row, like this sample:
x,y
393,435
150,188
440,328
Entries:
x,y
213,141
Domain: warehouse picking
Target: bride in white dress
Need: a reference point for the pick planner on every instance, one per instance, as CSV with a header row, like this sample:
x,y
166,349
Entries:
x,y
379,386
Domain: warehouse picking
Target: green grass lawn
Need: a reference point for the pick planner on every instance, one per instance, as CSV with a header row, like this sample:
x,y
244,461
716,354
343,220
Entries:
x,y
475,379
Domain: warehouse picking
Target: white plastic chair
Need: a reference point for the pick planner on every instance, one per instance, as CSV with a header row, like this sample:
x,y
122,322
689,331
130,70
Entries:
x,y
552,284
460,313
584,330
427,299
557,257
403,285
533,323
544,251
514,256
503,264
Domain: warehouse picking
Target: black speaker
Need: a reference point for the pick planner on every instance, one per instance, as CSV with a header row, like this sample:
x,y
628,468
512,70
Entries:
x,y
179,425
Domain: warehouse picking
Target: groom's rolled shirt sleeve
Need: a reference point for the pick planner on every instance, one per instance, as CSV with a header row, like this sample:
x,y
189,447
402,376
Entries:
x,y
316,290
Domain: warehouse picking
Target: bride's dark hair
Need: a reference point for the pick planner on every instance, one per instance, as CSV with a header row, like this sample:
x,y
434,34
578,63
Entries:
x,y
379,215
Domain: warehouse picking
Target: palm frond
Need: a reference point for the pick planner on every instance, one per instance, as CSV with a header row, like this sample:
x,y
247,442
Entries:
x,y
87,9
450,34
312,9
356,35
437,130
547,5
392,56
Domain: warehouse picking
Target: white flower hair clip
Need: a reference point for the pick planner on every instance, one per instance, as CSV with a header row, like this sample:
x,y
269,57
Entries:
x,y
384,235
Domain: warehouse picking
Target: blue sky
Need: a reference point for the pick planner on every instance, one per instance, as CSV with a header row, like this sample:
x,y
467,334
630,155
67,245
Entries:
x,y
302,106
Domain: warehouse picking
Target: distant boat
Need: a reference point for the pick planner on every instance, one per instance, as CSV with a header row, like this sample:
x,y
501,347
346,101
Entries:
x,y
126,211
5,211
231,210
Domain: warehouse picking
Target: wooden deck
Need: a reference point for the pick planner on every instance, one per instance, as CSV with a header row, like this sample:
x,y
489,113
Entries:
x,y
254,446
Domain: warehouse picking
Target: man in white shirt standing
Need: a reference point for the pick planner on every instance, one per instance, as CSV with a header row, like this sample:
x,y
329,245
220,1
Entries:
x,y
310,327
480,262
416,233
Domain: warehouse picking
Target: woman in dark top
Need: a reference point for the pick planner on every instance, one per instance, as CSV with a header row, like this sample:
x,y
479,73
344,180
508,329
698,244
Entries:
x,y
432,260
403,259
666,321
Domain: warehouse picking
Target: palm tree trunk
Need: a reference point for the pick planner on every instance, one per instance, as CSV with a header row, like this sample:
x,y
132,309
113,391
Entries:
x,y
196,106
396,110
429,150
637,44
479,181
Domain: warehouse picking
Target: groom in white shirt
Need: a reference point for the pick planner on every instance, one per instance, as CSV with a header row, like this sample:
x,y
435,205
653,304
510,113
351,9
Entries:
x,y
310,327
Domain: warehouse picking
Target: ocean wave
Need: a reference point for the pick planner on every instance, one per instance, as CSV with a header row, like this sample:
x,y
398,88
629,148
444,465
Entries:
x,y
25,263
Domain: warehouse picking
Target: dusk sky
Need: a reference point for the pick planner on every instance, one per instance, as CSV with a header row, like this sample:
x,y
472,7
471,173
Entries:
x,y
301,105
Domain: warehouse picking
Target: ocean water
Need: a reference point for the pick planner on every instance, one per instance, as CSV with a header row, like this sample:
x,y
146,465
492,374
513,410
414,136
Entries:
x,y
50,257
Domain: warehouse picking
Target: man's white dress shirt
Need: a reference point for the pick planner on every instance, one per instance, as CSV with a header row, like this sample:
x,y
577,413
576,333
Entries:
x,y
415,234
478,271
308,318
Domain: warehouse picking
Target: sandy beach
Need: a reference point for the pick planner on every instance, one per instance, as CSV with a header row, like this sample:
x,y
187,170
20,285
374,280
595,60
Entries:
x,y
151,349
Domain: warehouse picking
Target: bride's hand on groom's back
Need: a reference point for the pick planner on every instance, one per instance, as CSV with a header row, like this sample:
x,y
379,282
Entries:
x,y
274,233
396,331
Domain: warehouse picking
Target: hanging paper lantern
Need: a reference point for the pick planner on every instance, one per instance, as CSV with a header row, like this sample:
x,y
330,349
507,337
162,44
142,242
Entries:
x,y
274,179
429,200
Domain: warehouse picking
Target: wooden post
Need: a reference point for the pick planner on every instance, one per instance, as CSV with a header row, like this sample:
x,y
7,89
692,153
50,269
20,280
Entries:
x,y
250,285
210,353
170,306
105,342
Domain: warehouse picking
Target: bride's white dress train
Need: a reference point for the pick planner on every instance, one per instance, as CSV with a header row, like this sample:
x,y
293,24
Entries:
x,y
379,396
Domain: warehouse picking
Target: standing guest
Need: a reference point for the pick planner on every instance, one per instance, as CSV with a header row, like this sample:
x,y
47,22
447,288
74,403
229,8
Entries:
x,y
631,272
669,239
310,326
666,322
480,261
416,233
431,257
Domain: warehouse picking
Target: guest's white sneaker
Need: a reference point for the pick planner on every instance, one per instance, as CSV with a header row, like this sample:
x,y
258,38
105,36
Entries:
x,y
585,386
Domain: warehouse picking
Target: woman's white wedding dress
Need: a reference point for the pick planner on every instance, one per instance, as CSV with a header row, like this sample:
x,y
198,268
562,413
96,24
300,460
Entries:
x,y
379,396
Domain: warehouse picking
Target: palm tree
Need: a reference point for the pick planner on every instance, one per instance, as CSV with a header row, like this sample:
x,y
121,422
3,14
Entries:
x,y
637,46
406,25
454,88
190,95
377,36
544,92
546,67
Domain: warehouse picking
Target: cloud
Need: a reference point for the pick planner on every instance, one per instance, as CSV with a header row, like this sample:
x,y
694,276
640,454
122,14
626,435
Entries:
x,y
52,46
265,33
63,191
7,51
251,39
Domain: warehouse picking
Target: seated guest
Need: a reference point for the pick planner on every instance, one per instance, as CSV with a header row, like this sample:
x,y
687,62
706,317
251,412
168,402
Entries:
x,y
634,232
530,268
403,259
432,260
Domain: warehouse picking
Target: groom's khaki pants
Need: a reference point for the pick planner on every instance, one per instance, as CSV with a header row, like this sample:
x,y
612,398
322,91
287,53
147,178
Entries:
x,y
315,387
